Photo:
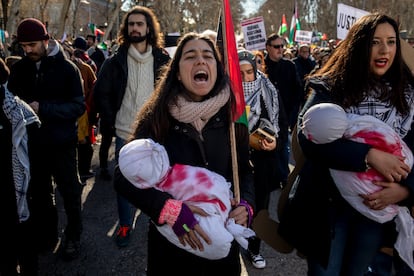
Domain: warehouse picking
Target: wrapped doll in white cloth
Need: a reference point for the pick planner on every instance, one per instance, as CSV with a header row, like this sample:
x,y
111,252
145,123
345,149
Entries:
x,y
326,122
145,164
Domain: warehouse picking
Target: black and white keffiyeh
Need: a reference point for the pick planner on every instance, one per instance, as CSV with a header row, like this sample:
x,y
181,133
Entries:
x,y
386,112
261,87
20,115
382,110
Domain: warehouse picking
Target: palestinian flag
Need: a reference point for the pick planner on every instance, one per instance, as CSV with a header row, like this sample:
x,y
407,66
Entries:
x,y
226,43
283,26
294,24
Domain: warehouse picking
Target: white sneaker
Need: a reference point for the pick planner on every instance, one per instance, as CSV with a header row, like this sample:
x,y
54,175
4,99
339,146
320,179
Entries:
x,y
258,261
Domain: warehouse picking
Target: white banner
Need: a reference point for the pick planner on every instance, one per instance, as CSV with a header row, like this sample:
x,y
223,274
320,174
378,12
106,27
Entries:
x,y
345,18
254,33
303,37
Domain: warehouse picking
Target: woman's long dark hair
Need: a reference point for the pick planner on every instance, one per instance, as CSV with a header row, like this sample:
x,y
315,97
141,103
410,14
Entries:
x,y
154,116
348,69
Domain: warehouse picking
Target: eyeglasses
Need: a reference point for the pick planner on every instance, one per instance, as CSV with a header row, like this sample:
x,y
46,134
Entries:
x,y
277,46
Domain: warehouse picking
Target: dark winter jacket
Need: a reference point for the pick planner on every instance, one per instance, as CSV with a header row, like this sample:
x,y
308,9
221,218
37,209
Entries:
x,y
26,233
284,77
57,86
184,146
112,81
303,68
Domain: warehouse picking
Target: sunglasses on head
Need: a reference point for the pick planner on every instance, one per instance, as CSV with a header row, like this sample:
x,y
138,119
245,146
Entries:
x,y
277,46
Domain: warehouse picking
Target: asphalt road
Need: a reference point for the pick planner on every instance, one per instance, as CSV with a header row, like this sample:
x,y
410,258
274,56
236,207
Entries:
x,y
101,256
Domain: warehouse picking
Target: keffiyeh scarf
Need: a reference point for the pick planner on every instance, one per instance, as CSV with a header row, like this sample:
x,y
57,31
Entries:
x,y
20,115
386,112
383,110
261,87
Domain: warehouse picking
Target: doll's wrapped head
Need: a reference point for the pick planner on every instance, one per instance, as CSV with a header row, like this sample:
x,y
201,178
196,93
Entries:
x,y
143,162
324,123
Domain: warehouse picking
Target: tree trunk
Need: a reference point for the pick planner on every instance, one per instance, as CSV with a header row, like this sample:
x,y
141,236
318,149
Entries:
x,y
73,20
63,17
13,19
5,9
114,19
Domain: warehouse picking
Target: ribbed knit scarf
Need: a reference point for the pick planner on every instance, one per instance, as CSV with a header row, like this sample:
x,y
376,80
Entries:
x,y
20,115
198,113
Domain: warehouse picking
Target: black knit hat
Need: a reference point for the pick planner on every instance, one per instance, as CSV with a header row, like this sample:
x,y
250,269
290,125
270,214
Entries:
x,y
80,43
31,29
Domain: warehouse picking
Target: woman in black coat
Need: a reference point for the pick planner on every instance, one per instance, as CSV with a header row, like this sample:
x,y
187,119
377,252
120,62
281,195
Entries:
x,y
190,114
365,75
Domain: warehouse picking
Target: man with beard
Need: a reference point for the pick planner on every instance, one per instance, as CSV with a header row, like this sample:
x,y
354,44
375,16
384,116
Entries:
x,y
124,83
51,84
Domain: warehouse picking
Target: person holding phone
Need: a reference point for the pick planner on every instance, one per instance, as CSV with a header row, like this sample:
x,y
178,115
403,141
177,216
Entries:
x,y
262,97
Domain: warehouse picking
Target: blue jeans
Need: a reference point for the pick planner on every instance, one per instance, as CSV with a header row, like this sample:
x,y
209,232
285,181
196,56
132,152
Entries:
x,y
355,244
124,207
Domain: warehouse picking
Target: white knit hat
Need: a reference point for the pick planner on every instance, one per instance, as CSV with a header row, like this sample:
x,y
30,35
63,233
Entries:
x,y
143,162
324,123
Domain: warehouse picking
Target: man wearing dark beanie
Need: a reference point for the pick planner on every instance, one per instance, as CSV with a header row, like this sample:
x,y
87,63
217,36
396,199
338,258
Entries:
x,y
31,29
51,85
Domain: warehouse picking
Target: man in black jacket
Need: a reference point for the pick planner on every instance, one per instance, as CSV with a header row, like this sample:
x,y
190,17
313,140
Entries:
x,y
96,54
51,85
282,73
124,83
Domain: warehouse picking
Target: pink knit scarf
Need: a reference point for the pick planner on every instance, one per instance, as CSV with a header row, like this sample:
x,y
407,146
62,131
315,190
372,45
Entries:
x,y
198,113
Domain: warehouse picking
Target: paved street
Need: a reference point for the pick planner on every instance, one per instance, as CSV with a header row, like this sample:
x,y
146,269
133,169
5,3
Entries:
x,y
101,256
